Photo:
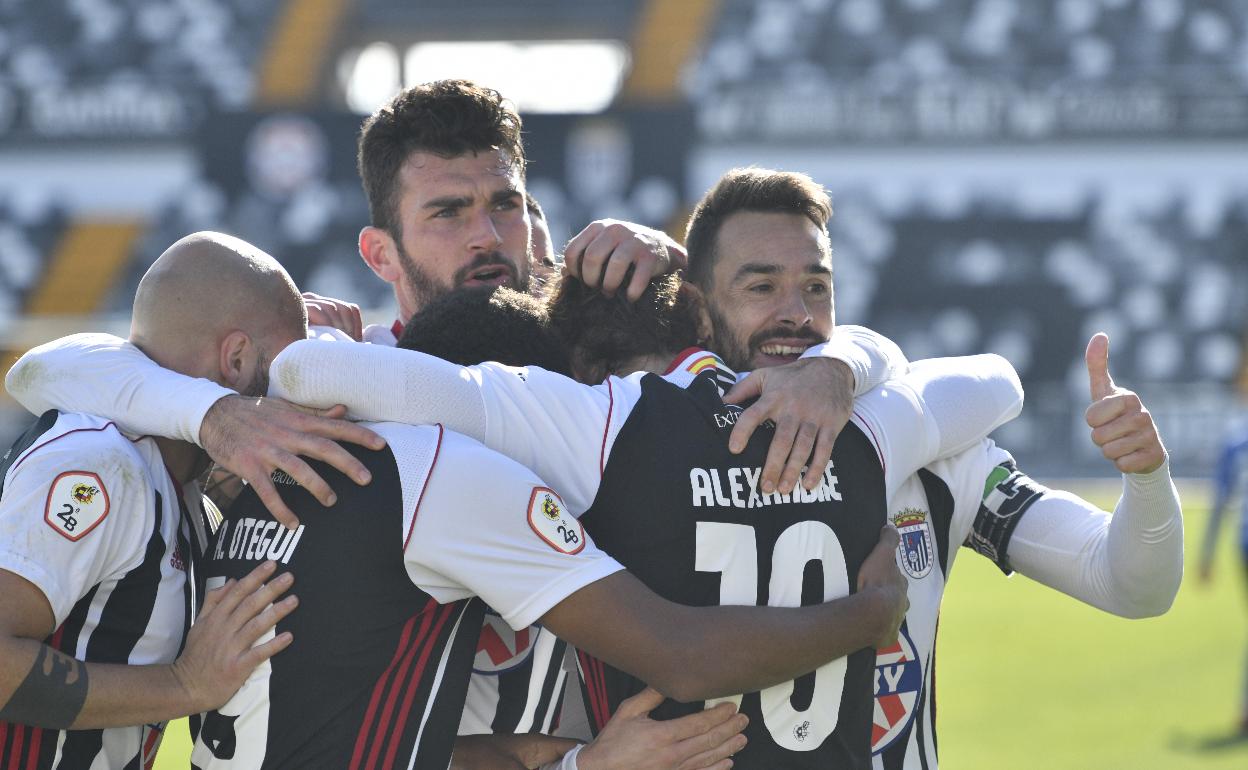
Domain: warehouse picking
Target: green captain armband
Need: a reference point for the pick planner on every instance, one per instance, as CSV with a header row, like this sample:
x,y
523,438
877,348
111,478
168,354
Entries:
x,y
1008,493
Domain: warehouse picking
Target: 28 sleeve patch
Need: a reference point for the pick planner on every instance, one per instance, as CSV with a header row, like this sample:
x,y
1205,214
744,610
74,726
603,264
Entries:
x,y
77,503
550,520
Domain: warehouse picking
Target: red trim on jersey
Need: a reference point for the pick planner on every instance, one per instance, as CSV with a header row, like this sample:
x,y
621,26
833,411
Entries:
x,y
30,452
149,748
436,451
36,742
385,722
361,738
15,751
874,441
397,328
413,684
596,685
680,358
602,454
587,673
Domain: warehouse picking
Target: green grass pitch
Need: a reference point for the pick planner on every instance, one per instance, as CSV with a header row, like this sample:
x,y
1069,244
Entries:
x,y
1028,678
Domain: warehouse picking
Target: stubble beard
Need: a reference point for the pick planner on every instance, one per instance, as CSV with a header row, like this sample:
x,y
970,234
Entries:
x,y
727,345
424,288
738,353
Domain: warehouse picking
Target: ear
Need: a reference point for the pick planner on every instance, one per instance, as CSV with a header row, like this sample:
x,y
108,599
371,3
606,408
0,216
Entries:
x,y
698,302
380,253
234,361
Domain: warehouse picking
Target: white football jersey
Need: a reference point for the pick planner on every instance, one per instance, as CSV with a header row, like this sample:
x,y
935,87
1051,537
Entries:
x,y
95,522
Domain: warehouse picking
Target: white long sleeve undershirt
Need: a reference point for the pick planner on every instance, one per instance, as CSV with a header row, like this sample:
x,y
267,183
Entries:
x,y
1129,563
104,375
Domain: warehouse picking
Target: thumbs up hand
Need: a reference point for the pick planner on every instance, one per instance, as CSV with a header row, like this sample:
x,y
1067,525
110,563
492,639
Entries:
x,y
1121,426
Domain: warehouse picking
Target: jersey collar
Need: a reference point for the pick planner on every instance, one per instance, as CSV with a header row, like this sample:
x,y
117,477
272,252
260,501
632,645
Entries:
x,y
693,361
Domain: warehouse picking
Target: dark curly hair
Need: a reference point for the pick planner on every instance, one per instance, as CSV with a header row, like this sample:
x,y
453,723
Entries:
x,y
602,332
447,118
749,189
499,324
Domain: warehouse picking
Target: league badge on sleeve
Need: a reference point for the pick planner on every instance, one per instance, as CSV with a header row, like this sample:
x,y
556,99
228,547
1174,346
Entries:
x,y
77,503
915,552
550,520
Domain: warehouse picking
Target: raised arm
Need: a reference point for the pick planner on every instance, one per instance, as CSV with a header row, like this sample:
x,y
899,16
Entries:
x,y
1130,563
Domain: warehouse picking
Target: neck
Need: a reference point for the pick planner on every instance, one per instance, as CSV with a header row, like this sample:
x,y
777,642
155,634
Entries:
x,y
184,460
655,363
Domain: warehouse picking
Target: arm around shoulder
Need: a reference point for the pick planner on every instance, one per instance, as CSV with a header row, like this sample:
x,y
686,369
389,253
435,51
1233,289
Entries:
x,y
105,375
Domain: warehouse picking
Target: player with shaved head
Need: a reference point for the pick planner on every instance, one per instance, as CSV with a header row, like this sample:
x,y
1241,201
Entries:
x,y
101,533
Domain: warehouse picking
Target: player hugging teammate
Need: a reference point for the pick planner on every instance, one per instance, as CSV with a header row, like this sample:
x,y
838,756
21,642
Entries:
x,y
586,484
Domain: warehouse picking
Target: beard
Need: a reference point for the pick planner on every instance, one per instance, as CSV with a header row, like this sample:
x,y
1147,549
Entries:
x,y
739,353
258,385
425,288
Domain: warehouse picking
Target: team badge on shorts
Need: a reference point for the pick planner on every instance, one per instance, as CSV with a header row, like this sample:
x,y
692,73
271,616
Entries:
x,y
914,555
77,503
550,520
898,679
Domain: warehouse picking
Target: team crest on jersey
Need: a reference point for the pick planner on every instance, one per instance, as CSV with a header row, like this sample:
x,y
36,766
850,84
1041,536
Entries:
x,y
500,649
549,519
915,552
898,679
77,503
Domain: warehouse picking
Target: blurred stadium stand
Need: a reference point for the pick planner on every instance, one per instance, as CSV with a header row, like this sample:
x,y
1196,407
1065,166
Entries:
x,y
1007,176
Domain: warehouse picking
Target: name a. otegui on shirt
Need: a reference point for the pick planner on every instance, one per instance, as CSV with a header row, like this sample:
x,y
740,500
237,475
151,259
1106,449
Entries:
x,y
740,488
257,540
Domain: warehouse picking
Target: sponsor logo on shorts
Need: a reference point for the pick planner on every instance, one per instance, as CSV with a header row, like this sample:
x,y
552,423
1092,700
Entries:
x,y
549,519
77,503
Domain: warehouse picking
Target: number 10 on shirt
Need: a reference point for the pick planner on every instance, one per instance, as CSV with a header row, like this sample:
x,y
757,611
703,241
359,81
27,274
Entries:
x,y
732,551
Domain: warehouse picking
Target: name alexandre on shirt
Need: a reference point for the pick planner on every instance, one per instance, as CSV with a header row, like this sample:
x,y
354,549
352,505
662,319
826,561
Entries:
x,y
741,488
256,540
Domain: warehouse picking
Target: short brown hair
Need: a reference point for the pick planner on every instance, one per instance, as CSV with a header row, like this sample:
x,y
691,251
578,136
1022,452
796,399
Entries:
x,y
447,118
535,208
602,331
469,326
749,189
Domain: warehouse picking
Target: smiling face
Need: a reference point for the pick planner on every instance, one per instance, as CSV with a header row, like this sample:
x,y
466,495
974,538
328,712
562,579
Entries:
x,y
463,224
770,292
